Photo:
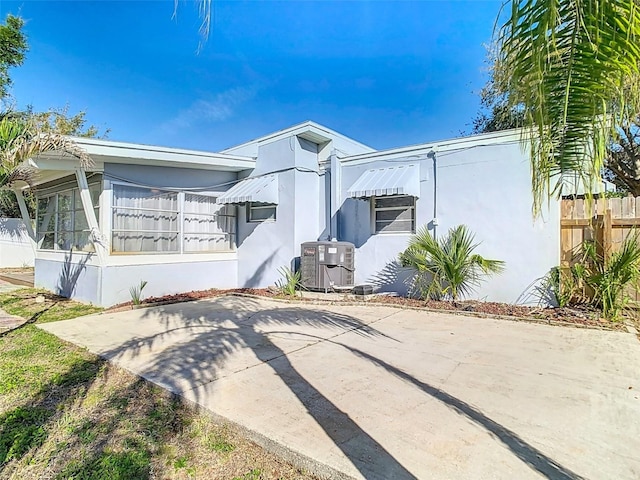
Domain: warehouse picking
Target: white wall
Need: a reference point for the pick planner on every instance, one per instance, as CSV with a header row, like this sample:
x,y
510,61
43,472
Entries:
x,y
489,190
166,279
265,247
72,275
15,244
78,276
486,188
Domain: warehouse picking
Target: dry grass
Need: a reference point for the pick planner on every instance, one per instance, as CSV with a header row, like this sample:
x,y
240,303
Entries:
x,y
65,413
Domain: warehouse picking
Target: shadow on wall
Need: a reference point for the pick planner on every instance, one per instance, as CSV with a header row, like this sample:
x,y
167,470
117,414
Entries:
x,y
540,292
354,221
70,274
393,278
12,228
254,280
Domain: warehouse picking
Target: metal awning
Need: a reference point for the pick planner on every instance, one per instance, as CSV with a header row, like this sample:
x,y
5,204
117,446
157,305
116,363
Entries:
x,y
400,180
262,189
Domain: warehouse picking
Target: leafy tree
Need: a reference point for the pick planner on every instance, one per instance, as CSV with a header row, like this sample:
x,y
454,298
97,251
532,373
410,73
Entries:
x,y
496,111
28,132
447,267
13,46
21,140
566,61
53,124
58,120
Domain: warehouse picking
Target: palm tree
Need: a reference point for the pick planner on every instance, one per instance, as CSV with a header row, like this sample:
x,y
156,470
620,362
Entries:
x,y
21,140
447,267
568,60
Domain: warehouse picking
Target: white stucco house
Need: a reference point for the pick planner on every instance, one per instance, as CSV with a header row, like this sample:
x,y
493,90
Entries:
x,y
188,220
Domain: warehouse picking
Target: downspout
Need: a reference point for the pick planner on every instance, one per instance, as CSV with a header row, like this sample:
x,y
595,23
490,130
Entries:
x,y
334,197
434,220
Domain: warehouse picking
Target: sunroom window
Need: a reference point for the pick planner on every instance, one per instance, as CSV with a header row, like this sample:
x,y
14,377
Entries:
x,y
394,214
149,220
208,227
60,220
144,220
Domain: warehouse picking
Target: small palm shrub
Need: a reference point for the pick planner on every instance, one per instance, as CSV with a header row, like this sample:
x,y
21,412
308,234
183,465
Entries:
x,y
447,267
290,282
136,292
610,278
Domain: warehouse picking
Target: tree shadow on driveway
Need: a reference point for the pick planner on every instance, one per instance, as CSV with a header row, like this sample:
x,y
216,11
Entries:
x,y
204,341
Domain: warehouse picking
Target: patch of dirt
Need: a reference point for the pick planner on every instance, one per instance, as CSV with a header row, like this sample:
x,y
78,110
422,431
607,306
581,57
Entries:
x,y
579,315
26,270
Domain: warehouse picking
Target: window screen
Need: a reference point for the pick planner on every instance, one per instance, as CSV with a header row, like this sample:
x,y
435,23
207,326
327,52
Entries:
x,y
394,214
260,212
207,226
144,220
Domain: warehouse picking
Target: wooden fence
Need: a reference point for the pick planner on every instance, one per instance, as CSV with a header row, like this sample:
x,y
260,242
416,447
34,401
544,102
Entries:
x,y
608,221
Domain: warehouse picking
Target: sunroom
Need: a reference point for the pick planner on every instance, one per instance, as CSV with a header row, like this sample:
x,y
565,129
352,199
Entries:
x,y
138,213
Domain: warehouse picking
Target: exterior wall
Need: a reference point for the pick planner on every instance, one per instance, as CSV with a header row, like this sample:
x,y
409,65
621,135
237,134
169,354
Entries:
x,y
211,180
489,190
264,248
78,275
73,275
15,244
376,254
166,278
482,182
486,188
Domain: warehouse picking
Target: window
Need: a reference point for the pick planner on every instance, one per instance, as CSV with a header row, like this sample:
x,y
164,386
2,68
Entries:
x,y
260,212
144,220
148,220
61,223
394,214
208,227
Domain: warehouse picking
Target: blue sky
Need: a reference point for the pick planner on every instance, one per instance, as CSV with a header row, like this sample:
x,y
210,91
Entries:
x,y
385,73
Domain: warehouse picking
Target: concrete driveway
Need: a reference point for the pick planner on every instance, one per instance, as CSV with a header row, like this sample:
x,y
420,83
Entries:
x,y
383,393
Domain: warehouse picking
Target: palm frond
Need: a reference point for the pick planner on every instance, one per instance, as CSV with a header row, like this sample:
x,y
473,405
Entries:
x,y
447,267
20,141
567,61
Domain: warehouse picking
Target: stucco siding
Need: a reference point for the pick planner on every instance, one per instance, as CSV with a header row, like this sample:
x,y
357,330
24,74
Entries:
x,y
489,190
170,177
166,279
15,245
486,188
70,276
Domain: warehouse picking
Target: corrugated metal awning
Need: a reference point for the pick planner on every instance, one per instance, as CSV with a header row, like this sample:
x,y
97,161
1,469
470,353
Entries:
x,y
262,189
400,180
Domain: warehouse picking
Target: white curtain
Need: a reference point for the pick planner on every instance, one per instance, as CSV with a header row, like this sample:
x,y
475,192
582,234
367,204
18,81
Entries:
x,y
144,220
207,226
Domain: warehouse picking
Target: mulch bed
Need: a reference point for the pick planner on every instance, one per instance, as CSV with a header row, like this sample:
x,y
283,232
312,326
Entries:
x,y
579,315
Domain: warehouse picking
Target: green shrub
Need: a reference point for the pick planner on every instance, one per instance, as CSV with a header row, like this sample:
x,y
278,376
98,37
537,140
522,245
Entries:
x,y
610,278
447,267
289,283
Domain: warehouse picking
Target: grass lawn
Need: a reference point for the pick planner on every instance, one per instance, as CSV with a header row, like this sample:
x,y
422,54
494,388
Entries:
x,y
65,413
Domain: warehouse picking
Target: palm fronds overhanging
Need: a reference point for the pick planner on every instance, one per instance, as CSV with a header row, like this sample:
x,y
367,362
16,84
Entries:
x,y
447,268
568,60
21,140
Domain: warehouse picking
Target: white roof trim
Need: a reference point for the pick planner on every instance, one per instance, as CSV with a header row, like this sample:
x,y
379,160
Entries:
x,y
400,180
262,189
309,130
419,151
106,151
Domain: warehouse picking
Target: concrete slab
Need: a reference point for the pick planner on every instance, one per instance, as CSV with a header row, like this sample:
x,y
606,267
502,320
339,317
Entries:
x,y
377,392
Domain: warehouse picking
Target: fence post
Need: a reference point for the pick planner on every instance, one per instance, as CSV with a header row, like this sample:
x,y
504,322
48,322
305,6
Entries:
x,y
607,229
